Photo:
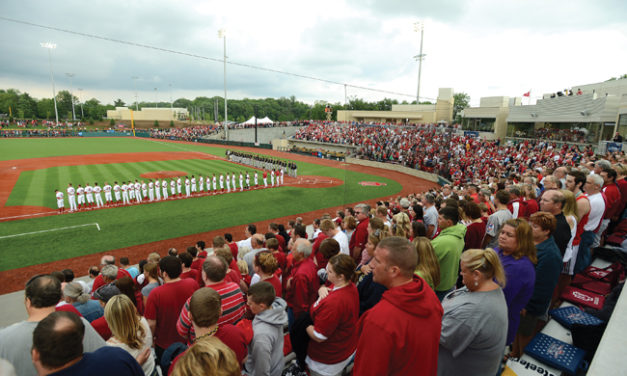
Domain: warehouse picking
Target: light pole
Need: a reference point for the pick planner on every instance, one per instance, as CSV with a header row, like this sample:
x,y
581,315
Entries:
x,y
134,78
222,34
50,46
80,100
419,26
155,97
171,105
71,75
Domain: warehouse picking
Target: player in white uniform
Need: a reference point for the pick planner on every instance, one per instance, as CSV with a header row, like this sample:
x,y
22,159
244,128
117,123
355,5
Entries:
x,y
107,191
89,194
138,193
193,184
201,184
125,192
221,183
247,180
164,188
282,175
80,195
256,180
173,187
232,180
60,204
241,182
71,197
179,185
131,190
228,183
214,181
157,190
151,190
116,192
97,195
272,177
144,190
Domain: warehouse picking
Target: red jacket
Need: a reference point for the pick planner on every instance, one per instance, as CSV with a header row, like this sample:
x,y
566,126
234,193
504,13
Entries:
x,y
613,200
401,334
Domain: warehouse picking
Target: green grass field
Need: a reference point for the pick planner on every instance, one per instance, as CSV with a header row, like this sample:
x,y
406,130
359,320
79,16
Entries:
x,y
128,226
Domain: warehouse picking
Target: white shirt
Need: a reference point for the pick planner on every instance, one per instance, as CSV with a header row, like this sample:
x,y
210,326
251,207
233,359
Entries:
x,y
59,195
342,239
97,189
597,208
70,191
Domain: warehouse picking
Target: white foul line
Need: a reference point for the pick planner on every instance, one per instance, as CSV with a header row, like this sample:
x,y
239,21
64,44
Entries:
x,y
52,229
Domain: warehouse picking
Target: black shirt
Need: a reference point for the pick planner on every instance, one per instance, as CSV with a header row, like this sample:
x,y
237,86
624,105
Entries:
x,y
561,233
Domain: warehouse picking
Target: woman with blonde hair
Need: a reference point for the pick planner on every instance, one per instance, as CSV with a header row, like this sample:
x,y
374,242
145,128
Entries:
x,y
400,225
207,357
569,209
129,330
475,318
428,267
151,273
265,265
518,257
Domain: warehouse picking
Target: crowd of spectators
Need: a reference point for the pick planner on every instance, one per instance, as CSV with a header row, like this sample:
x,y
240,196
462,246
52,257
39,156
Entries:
x,y
276,124
440,282
185,134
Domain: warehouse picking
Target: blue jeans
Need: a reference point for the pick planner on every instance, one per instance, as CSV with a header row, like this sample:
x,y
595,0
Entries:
x,y
583,256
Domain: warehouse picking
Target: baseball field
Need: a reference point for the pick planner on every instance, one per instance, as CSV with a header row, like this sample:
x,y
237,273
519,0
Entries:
x,y
31,233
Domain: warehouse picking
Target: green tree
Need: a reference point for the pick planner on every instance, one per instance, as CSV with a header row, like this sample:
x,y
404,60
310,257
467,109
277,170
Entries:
x,y
9,98
64,103
45,108
461,101
119,103
26,106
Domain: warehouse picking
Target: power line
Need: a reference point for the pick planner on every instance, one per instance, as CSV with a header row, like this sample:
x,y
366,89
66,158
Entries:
x,y
231,62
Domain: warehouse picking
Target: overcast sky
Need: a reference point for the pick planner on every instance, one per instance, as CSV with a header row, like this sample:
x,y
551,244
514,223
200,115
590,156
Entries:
x,y
481,47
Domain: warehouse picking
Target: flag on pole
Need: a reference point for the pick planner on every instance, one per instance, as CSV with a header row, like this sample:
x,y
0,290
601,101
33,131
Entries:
x,y
527,94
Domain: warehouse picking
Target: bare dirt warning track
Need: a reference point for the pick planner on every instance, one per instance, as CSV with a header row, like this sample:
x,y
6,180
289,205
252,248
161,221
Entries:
x,y
13,280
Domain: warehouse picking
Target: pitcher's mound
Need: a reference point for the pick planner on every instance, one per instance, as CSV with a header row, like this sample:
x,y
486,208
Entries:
x,y
162,174
310,181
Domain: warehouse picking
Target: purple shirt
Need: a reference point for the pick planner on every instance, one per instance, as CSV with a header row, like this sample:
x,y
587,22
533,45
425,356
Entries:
x,y
521,276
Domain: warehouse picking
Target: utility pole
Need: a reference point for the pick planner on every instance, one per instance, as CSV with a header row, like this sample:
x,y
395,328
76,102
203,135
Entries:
x,y
419,26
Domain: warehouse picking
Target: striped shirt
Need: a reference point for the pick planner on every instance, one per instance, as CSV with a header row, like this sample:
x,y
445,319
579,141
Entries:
x,y
233,308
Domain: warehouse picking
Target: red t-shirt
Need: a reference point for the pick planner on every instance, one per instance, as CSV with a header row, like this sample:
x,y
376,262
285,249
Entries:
x,y
102,327
359,238
233,276
532,207
234,250
315,254
230,335
197,264
191,273
304,284
164,305
98,282
474,235
276,283
335,317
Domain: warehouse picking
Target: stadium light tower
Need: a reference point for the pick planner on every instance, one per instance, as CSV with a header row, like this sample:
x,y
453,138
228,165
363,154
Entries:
x,y
71,76
135,78
155,97
80,100
222,34
51,46
419,27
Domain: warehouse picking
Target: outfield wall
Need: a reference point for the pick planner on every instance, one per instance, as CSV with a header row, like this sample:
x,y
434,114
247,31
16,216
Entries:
x,y
399,168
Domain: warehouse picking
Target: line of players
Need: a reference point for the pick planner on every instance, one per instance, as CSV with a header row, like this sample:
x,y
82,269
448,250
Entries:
x,y
89,197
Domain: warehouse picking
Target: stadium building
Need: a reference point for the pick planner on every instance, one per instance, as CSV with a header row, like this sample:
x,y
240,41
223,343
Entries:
x,y
148,113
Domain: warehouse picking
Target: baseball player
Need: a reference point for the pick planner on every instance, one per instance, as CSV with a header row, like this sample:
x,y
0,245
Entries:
x,y
193,184
80,195
138,193
151,190
164,188
89,194
247,180
179,185
107,190
131,190
201,183
157,190
232,180
228,182
241,181
71,197
215,186
173,187
282,175
221,182
144,190
125,191
116,192
272,177
97,195
60,203
265,178
256,180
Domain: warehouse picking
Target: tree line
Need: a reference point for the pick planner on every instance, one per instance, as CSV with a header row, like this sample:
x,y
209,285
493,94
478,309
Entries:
x,y
21,105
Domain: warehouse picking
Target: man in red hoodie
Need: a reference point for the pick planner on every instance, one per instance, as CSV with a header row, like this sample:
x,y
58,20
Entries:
x,y
400,335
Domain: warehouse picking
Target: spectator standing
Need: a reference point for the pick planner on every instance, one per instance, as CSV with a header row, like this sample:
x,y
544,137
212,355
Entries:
x,y
448,247
496,220
475,317
430,215
303,282
475,229
360,236
592,188
400,335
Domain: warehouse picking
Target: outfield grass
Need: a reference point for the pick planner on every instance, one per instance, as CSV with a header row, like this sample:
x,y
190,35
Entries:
x,y
128,226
